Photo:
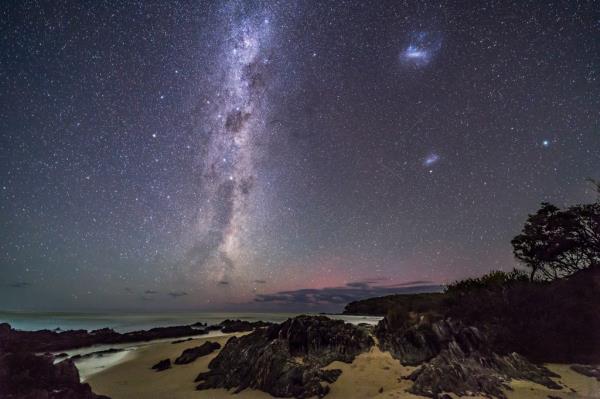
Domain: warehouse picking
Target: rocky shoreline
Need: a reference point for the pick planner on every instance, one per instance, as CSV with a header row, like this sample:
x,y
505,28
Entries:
x,y
55,341
29,370
290,359
464,356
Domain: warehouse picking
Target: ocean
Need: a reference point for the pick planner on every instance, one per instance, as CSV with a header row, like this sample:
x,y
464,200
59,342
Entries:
x,y
125,322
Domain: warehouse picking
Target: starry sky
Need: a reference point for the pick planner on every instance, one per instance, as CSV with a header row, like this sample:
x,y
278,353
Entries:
x,y
282,155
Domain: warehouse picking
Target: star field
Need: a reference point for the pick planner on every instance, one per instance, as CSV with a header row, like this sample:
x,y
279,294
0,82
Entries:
x,y
201,155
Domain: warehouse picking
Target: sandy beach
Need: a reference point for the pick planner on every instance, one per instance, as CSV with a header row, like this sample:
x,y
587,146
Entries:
x,y
374,374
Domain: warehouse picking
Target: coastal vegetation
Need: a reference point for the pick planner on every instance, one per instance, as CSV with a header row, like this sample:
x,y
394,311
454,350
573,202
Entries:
x,y
549,312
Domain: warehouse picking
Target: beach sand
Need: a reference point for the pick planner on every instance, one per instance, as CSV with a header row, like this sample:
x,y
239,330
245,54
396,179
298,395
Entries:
x,y
372,375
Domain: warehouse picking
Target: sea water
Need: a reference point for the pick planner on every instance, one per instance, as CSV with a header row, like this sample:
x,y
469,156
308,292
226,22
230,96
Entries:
x,y
126,322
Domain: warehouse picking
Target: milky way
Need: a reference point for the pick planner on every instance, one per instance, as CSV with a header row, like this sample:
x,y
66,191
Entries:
x,y
210,155
235,127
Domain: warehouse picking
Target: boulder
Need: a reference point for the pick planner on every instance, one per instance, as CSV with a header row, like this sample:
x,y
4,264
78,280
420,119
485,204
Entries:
x,y
191,354
178,341
162,365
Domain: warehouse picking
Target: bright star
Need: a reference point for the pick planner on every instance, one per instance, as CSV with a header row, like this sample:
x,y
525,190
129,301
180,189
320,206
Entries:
x,y
545,143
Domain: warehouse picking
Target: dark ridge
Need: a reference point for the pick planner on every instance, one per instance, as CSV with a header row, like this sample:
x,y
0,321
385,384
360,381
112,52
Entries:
x,y
380,306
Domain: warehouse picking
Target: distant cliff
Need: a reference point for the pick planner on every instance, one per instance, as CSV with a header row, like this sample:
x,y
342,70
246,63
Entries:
x,y
419,303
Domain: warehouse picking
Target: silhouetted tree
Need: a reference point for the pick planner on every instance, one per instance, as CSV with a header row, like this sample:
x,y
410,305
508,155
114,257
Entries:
x,y
555,243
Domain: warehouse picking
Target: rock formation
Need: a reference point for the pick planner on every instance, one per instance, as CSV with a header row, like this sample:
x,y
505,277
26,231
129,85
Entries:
x,y
53,341
231,326
191,354
456,359
162,365
26,375
285,360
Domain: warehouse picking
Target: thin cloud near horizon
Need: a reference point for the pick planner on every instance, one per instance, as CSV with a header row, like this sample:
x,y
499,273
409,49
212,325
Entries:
x,y
341,295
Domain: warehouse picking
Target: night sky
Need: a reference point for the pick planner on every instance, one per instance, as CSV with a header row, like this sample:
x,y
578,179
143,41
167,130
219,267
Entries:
x,y
282,155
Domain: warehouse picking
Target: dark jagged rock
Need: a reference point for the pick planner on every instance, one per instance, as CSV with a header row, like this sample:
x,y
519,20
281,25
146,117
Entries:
x,y
162,365
587,370
457,359
322,340
50,341
476,374
414,342
25,375
213,327
191,354
178,341
285,360
232,326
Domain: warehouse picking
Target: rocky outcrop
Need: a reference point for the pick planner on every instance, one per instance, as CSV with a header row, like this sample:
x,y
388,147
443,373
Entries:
x,y
286,360
162,365
419,340
53,341
457,359
475,374
232,326
191,354
25,375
